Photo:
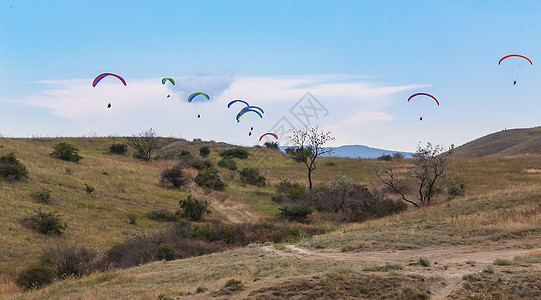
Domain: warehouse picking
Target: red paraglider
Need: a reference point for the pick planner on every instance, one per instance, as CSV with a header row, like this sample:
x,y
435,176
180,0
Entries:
x,y
103,75
268,133
424,94
515,55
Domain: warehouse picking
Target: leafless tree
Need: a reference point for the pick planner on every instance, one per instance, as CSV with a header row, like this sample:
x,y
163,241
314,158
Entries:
x,y
311,139
429,166
145,143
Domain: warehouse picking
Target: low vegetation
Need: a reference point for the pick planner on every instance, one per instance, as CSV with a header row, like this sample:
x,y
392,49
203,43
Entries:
x,y
134,217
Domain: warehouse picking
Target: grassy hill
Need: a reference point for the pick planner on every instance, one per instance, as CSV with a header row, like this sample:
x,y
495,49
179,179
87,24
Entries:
x,y
498,218
507,142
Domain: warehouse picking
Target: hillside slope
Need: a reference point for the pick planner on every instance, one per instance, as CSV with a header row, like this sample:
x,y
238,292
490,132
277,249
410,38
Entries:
x,y
506,142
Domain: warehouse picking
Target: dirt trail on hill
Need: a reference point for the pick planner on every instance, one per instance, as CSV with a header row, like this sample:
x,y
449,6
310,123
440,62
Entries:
x,y
447,264
233,214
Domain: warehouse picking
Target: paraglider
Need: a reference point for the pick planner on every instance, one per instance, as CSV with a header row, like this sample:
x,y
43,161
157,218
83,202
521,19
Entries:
x,y
244,111
235,101
515,62
423,94
103,75
192,96
268,133
165,79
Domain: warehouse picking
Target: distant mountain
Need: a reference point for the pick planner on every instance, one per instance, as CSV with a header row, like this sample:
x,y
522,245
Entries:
x,y
359,151
506,142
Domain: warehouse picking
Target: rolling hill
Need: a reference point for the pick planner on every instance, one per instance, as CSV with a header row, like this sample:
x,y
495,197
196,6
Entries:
x,y
460,240
503,143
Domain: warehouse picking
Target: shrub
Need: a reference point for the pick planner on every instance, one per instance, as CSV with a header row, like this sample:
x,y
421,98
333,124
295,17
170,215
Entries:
x,y
227,163
69,260
271,145
488,269
423,261
201,164
385,157
456,186
11,168
35,276
162,215
193,209
185,154
118,148
173,177
502,262
66,151
132,219
43,196
88,188
235,153
233,283
210,178
166,252
251,176
288,191
298,213
44,223
204,151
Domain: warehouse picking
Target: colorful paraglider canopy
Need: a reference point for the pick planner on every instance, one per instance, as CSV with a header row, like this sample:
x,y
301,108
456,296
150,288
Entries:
x,y
103,75
192,96
166,79
268,133
424,94
235,101
253,107
244,111
514,55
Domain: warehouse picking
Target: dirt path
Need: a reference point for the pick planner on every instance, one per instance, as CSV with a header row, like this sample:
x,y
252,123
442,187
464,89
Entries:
x,y
447,264
233,214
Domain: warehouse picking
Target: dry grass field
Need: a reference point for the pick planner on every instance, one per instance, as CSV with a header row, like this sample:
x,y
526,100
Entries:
x,y
484,245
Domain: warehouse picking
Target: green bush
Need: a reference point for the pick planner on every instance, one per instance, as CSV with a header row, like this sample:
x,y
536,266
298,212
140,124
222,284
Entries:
x,y
88,188
118,148
35,276
173,177
271,145
166,252
44,223
132,219
423,261
185,154
235,153
66,151
201,164
288,191
227,163
162,215
43,196
193,209
11,168
251,176
298,213
204,151
210,178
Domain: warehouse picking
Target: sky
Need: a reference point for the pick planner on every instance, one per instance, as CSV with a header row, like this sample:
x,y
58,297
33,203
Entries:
x,y
345,66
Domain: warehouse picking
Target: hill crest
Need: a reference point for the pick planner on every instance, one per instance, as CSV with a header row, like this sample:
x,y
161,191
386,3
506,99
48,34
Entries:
x,y
506,142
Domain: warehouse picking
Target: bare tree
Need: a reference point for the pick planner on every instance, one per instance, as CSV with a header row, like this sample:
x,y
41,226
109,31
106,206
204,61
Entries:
x,y
311,139
429,166
145,143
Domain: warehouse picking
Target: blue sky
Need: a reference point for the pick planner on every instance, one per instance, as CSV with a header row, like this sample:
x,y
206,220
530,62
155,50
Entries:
x,y
359,59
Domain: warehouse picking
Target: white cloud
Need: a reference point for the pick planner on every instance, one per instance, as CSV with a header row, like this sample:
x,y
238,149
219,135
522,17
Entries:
x,y
350,101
